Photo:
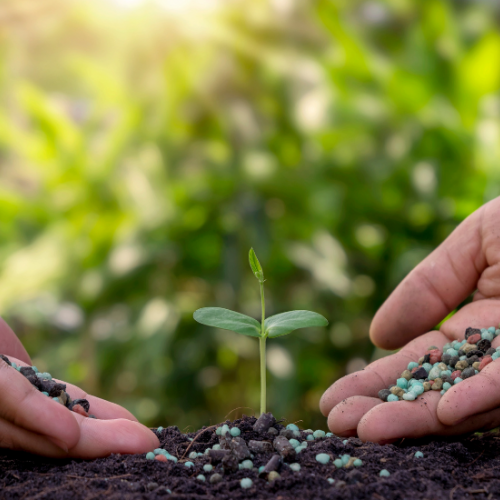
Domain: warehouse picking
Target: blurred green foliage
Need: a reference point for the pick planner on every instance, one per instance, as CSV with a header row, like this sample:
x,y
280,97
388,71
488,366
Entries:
x,y
145,147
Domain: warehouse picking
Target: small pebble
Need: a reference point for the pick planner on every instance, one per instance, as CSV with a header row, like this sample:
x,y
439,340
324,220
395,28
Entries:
x,y
384,473
419,454
273,475
246,483
161,458
216,478
322,458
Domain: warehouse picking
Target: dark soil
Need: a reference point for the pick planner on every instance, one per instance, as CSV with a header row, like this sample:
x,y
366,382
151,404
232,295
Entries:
x,y
466,468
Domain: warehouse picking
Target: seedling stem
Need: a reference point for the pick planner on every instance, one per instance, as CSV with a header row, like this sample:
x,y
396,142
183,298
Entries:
x,y
262,345
275,326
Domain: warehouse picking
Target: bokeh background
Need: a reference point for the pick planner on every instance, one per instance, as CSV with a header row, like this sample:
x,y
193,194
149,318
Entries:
x,y
146,145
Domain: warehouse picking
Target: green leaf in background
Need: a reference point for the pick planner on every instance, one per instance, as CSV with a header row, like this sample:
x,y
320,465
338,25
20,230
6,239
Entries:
x,y
284,323
228,320
255,265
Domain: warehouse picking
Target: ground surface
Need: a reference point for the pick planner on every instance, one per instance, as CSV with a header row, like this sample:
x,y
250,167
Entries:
x,y
451,470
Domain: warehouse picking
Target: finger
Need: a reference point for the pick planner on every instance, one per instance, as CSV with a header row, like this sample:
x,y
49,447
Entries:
x,y
102,409
18,438
344,418
436,286
480,314
415,419
379,374
473,395
100,438
25,406
10,345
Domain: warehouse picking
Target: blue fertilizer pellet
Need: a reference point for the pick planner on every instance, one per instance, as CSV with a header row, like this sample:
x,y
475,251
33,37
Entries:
x,y
150,456
330,480
384,473
292,427
200,477
189,464
319,434
338,463
235,432
357,462
412,365
392,397
419,454
246,482
322,458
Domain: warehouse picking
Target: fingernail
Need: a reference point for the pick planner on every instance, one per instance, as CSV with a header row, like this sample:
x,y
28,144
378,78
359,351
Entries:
x,y
59,443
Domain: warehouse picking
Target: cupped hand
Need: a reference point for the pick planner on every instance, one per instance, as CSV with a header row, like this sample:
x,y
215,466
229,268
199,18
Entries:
x,y
33,422
468,260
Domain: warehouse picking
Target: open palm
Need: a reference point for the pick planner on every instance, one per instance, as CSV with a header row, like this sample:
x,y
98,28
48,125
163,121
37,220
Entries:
x,y
31,421
467,261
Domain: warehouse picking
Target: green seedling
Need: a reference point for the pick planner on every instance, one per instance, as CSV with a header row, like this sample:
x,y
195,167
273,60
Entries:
x,y
275,326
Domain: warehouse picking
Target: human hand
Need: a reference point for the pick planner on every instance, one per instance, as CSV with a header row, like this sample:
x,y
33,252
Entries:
x,y
468,260
33,422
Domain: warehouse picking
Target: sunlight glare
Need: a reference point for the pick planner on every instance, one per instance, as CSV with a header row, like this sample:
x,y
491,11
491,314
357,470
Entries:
x,y
170,5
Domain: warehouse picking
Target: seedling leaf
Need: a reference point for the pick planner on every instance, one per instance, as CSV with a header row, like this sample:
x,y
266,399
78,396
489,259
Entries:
x,y
228,320
255,265
284,323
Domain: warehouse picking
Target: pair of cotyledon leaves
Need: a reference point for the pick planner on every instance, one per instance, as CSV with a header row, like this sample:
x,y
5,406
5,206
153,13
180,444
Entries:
x,y
274,326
